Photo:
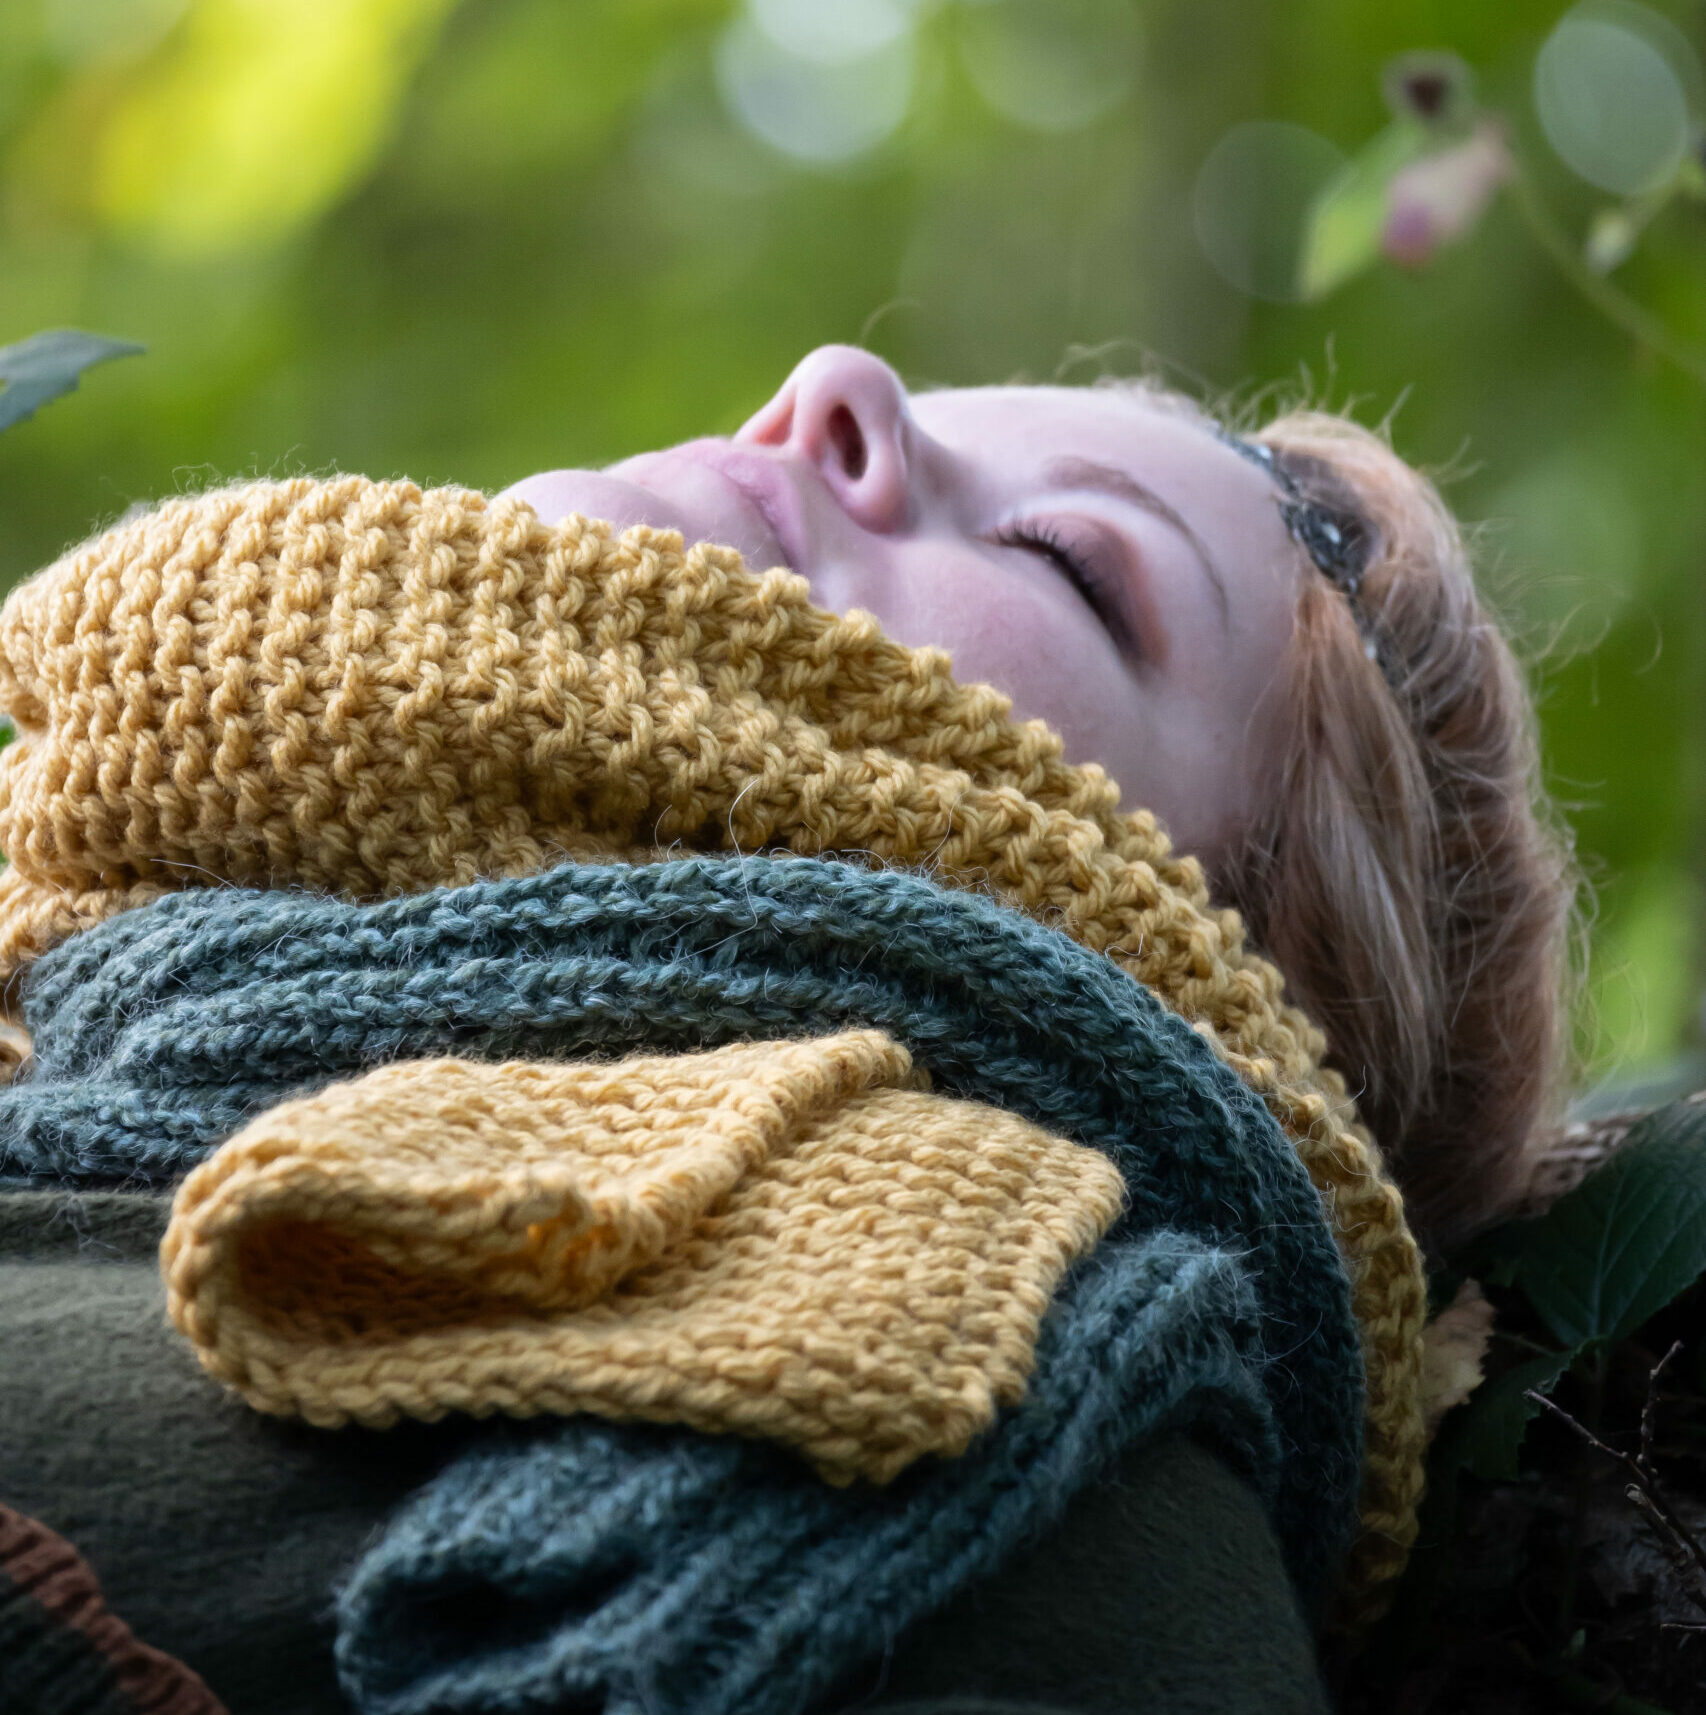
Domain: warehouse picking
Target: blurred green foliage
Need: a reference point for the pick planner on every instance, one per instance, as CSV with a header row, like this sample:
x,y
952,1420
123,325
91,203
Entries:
x,y
47,366
466,241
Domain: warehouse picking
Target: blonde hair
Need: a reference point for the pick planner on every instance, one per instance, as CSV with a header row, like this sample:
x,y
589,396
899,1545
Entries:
x,y
1406,874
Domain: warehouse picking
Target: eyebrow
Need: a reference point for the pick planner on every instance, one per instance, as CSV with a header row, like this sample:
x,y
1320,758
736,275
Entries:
x,y
1109,479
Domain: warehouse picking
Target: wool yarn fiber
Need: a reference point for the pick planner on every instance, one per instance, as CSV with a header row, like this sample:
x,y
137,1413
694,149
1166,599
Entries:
x,y
164,1031
371,689
634,1570
785,1239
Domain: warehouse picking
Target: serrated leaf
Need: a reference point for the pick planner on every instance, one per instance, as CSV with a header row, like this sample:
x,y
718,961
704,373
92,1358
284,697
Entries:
x,y
1345,222
47,365
1485,1436
1629,1238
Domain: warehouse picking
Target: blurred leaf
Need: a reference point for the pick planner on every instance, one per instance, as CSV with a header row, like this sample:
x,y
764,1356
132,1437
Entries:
x,y
254,119
1347,220
1626,1241
1485,1436
47,365
1494,1256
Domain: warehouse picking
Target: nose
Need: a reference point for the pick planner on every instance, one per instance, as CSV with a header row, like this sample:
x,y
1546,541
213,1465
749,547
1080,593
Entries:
x,y
845,412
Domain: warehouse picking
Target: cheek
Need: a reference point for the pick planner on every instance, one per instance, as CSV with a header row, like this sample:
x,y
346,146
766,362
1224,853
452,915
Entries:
x,y
1029,637
1240,684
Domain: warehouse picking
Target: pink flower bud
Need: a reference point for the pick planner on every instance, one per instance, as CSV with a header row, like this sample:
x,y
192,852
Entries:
x,y
1439,198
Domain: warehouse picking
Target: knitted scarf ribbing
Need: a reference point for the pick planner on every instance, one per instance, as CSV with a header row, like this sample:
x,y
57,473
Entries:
x,y
360,687
63,1651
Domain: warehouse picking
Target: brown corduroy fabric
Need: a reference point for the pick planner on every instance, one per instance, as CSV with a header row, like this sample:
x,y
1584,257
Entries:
x,y
50,1608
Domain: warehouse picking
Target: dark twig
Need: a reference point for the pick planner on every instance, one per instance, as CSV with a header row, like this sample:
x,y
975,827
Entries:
x,y
1672,1538
1682,1548
1646,1458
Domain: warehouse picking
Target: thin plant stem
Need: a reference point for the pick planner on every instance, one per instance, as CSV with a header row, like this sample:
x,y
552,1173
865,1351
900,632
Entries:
x,y
1644,1491
1616,305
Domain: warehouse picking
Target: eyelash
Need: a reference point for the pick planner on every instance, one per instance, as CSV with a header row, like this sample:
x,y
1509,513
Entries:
x,y
1046,540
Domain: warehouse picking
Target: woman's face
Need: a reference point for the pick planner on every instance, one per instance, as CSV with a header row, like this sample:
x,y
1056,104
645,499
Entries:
x,y
1105,561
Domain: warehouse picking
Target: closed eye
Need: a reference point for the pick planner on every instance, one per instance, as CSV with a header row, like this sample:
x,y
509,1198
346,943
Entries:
x,y
1082,572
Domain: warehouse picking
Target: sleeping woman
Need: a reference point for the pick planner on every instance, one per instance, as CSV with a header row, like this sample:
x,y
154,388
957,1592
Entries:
x,y
811,1047
1336,730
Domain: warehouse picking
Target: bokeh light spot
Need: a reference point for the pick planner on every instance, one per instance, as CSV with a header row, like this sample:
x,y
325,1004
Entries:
x,y
831,32
1252,200
1610,98
819,112
1050,65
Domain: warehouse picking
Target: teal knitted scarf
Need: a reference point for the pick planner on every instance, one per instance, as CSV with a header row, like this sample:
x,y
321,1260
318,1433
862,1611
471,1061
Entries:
x,y
627,1568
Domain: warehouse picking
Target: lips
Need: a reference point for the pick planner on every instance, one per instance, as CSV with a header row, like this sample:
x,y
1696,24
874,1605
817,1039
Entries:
x,y
763,482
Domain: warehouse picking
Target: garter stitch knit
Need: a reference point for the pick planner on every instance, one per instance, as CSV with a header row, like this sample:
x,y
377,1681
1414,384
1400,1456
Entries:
x,y
778,1239
362,687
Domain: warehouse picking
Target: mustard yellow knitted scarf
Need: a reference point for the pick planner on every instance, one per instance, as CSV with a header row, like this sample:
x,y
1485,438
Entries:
x,y
368,689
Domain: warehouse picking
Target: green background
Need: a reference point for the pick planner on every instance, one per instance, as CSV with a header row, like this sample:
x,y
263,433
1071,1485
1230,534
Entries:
x,y
464,242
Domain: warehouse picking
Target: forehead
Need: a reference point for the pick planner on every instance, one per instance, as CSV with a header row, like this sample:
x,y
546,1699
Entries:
x,y
1145,432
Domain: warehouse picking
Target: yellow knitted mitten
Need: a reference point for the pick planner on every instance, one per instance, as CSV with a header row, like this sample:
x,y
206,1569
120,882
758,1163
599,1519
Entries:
x,y
791,1240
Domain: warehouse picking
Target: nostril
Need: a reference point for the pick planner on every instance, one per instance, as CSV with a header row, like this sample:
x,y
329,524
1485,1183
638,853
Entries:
x,y
848,441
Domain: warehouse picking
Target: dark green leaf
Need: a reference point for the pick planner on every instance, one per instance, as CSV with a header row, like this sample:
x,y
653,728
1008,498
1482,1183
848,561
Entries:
x,y
1494,1256
1345,224
46,365
1485,1436
1626,1241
